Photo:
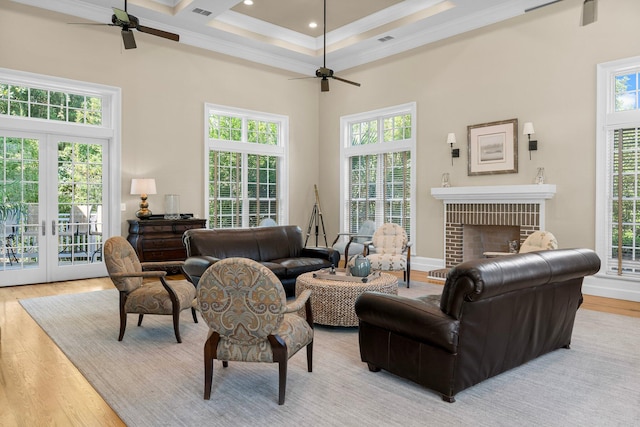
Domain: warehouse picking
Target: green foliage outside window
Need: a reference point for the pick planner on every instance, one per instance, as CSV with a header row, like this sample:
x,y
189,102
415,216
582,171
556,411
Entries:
x,y
45,104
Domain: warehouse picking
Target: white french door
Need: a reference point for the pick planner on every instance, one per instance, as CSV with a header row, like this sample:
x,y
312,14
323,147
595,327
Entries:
x,y
55,188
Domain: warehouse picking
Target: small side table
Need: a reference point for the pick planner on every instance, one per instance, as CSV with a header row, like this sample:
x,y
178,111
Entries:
x,y
333,301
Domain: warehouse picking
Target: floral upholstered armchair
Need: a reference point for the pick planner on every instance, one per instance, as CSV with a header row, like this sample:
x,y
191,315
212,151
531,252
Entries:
x,y
539,241
249,320
391,250
168,297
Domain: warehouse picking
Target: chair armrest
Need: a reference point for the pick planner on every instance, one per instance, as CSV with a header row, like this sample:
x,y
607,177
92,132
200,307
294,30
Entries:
x,y
409,317
144,274
153,265
195,266
299,302
338,236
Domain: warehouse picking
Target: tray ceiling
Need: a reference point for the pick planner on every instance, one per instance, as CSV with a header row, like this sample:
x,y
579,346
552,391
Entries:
x,y
276,33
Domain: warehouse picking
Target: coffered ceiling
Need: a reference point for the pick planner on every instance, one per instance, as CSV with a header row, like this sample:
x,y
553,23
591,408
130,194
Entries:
x,y
277,32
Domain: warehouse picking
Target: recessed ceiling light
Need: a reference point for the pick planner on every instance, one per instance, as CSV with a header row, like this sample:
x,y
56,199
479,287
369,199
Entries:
x,y
313,25
248,2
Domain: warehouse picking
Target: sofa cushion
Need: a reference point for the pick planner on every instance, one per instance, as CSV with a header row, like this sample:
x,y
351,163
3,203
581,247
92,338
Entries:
x,y
278,269
297,266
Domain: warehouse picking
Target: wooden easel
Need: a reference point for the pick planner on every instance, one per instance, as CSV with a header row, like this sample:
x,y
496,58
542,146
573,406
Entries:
x,y
316,221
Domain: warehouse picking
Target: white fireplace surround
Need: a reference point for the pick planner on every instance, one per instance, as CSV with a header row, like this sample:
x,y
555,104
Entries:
x,y
534,193
506,205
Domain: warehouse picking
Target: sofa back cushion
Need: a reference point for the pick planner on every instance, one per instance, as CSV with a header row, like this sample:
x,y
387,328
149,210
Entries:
x,y
488,278
278,242
221,243
259,244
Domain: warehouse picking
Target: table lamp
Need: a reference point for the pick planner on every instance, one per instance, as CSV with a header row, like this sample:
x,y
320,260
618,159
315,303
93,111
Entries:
x,y
143,187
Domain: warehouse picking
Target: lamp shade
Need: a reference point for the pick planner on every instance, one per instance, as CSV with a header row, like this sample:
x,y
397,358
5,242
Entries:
x,y
451,138
528,129
143,186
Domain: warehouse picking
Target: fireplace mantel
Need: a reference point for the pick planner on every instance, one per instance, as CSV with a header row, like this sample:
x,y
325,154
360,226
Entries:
x,y
496,193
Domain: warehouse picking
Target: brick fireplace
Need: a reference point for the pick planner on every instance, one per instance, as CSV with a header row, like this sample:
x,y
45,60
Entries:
x,y
486,219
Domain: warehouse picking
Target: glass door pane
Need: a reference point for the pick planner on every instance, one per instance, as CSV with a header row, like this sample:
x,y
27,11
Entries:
x,y
20,227
22,249
80,193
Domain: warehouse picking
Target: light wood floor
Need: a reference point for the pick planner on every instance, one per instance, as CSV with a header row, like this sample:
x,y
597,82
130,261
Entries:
x,y
40,387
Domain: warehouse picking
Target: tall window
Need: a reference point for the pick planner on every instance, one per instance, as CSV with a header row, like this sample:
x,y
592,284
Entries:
x,y
618,157
378,157
246,167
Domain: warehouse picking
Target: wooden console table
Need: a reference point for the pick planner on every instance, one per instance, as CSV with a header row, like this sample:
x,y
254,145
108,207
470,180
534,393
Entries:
x,y
160,239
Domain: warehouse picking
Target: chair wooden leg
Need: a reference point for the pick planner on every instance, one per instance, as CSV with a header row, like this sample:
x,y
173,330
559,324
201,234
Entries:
x,y
140,316
310,357
176,323
123,316
279,349
282,380
193,313
210,351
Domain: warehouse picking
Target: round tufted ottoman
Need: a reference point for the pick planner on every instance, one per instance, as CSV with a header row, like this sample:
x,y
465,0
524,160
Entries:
x,y
333,301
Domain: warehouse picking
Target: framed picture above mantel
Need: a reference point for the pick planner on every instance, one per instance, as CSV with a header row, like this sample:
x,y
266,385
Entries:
x,y
493,148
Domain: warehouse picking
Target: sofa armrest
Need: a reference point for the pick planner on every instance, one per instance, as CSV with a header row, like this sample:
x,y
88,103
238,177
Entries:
x,y
409,317
195,266
329,254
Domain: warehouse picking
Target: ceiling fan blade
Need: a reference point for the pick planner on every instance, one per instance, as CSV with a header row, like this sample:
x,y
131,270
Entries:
x,y
589,12
346,81
541,6
159,33
128,39
90,23
324,85
302,78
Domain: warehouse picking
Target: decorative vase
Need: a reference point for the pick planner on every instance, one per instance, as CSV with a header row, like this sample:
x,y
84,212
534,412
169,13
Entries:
x,y
360,266
540,176
171,206
445,180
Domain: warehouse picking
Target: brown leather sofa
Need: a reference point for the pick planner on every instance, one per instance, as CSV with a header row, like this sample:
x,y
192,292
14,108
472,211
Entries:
x,y
493,315
280,248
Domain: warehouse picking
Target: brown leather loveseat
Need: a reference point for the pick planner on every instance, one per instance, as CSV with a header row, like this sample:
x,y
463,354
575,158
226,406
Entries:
x,y
279,248
493,315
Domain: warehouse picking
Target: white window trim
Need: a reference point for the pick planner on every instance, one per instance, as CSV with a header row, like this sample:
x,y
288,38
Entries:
x,y
110,129
347,151
281,150
607,119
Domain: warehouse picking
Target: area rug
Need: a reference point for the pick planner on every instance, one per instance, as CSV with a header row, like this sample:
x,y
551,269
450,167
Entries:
x,y
150,380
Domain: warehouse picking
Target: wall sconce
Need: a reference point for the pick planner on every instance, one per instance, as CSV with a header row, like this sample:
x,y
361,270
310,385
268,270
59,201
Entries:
x,y
528,130
455,152
143,186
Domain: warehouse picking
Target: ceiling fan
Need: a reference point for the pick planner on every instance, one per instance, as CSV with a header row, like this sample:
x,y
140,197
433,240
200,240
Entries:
x,y
126,22
323,72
